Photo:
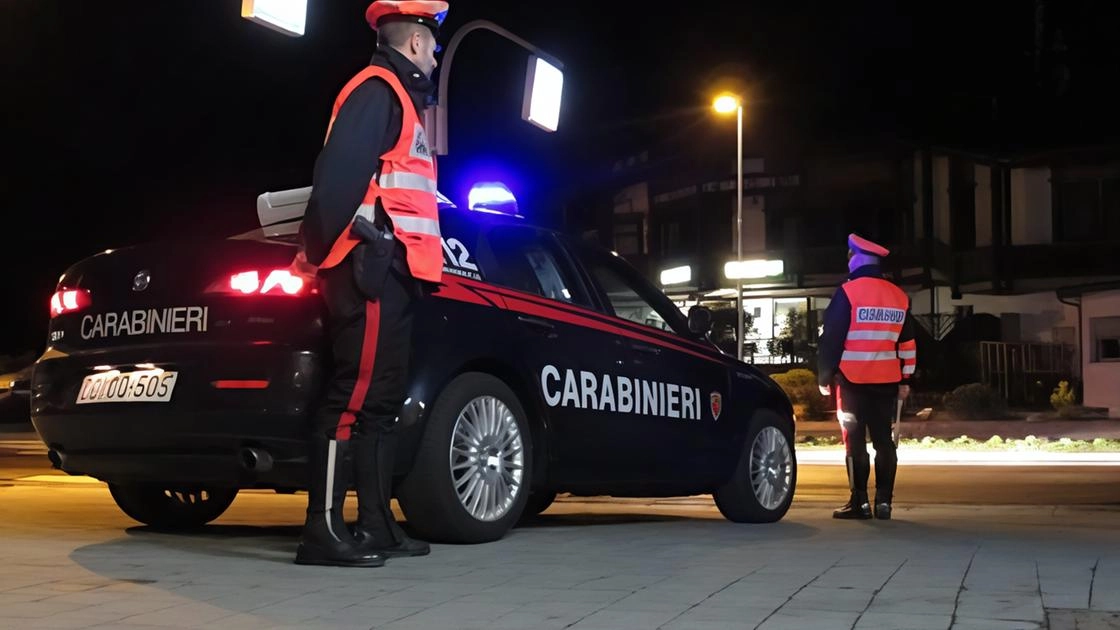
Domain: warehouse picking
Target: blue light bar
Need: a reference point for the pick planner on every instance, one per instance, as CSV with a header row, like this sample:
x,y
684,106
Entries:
x,y
493,198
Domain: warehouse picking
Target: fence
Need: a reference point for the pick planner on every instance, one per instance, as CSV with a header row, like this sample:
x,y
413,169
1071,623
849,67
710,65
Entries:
x,y
1024,373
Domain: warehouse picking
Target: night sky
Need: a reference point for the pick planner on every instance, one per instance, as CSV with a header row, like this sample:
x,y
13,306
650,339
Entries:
x,y
129,121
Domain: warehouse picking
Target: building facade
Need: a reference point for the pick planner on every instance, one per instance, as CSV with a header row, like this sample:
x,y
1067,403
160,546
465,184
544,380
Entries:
x,y
971,234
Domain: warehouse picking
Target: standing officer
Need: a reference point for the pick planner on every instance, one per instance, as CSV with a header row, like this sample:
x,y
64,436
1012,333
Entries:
x,y
372,229
868,349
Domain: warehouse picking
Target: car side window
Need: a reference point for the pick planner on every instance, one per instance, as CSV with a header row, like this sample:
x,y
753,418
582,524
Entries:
x,y
529,260
628,297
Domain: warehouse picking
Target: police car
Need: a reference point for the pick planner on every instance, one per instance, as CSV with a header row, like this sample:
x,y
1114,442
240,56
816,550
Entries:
x,y
182,373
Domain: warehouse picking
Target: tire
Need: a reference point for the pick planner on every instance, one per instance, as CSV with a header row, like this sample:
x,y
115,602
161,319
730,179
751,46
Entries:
x,y
762,486
539,501
447,497
172,507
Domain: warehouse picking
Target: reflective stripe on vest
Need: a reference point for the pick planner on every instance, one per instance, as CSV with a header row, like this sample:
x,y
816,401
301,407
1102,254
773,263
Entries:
x,y
908,352
405,187
871,348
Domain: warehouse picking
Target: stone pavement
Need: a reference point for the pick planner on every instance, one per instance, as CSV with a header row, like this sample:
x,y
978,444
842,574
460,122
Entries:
x,y
71,560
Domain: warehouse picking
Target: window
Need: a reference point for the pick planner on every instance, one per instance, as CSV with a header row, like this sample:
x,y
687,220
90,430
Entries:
x,y
1105,333
628,236
670,238
630,297
1087,210
962,207
528,260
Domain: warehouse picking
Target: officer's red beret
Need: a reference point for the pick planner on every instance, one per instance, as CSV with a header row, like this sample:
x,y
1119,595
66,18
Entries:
x,y
857,243
430,13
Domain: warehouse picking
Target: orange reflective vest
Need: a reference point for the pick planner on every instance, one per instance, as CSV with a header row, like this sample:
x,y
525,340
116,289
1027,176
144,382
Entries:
x,y
872,353
405,185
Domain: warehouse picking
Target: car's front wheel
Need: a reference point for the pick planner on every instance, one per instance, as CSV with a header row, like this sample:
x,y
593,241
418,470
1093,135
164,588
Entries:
x,y
470,480
172,507
761,488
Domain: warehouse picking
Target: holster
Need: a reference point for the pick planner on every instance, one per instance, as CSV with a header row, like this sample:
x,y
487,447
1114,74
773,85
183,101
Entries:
x,y
372,256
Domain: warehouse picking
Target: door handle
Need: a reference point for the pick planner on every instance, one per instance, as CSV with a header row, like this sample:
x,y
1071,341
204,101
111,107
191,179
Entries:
x,y
648,349
542,324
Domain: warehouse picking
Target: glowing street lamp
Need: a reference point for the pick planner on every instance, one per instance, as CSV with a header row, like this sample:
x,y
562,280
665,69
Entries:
x,y
285,16
544,86
725,104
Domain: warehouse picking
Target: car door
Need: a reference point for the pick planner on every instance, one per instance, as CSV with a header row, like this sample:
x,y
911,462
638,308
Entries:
x,y
564,354
683,379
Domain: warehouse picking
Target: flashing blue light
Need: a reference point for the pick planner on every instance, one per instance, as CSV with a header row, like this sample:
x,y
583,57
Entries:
x,y
443,202
492,198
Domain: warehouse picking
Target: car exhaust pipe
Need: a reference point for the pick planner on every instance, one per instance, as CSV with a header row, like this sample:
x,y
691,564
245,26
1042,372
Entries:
x,y
56,458
255,459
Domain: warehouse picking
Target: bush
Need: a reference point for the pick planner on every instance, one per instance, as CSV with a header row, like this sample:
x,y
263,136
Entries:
x,y
1063,396
801,387
975,401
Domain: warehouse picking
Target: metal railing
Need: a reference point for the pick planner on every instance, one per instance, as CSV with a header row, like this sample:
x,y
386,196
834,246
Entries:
x,y
1016,370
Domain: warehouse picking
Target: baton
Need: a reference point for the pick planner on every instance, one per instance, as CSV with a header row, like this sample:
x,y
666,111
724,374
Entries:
x,y
897,420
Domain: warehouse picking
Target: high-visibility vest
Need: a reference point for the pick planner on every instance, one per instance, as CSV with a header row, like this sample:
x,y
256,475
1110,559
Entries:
x,y
872,353
405,184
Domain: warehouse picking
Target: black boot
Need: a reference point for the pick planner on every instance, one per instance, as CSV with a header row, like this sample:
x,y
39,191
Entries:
x,y
377,529
325,539
882,510
857,507
882,504
886,464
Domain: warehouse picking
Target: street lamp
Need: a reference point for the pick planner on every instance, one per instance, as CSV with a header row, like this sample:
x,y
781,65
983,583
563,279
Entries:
x,y
284,16
725,104
544,84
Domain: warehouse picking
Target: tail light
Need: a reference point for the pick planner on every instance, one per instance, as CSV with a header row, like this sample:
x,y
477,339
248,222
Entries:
x,y
262,282
69,301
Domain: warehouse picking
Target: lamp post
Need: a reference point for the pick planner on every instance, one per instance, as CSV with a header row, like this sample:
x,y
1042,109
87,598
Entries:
x,y
544,83
725,104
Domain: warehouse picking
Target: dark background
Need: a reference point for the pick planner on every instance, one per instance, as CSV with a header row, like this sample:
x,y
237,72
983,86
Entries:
x,y
128,121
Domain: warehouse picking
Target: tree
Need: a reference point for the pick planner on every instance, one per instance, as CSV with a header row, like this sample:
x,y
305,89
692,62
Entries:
x,y
793,341
724,325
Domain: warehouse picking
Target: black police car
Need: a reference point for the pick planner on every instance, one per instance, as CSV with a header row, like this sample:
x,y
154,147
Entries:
x,y
181,373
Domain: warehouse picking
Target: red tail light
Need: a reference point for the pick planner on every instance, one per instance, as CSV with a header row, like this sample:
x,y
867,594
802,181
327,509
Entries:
x,y
68,301
267,282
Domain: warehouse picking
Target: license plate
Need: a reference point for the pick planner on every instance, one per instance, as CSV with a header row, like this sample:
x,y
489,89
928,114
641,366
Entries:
x,y
138,386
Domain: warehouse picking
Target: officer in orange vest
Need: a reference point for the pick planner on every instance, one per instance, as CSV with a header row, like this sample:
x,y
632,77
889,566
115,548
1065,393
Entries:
x,y
372,230
868,352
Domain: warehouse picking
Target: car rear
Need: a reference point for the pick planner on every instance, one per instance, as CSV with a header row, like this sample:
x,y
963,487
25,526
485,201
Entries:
x,y
181,362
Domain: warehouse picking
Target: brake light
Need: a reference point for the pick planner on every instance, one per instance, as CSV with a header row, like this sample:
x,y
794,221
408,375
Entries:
x,y
276,282
69,300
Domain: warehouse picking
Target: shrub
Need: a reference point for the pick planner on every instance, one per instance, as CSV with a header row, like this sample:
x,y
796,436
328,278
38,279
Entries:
x,y
1063,396
975,401
801,387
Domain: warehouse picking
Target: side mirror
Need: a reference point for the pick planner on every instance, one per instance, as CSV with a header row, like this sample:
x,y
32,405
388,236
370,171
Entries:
x,y
699,320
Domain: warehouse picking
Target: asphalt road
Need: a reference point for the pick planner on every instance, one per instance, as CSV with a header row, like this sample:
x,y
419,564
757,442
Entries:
x,y
23,458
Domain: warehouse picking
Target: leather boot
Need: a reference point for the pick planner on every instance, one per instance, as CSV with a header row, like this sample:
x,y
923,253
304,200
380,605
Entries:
x,y
886,464
882,504
377,529
857,506
325,539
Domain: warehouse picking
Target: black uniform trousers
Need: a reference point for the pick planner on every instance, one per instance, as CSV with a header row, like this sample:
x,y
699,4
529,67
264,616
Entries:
x,y
869,409
370,343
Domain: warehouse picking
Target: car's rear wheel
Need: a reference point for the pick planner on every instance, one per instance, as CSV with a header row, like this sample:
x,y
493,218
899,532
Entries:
x,y
539,501
762,486
470,480
173,507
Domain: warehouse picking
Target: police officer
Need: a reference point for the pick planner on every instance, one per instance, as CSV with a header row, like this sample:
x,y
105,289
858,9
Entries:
x,y
868,352
372,230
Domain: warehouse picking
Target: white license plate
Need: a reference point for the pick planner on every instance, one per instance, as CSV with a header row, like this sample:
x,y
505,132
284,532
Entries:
x,y
139,386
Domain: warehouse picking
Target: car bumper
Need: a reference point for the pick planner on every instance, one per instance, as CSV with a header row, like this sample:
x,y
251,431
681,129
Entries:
x,y
205,434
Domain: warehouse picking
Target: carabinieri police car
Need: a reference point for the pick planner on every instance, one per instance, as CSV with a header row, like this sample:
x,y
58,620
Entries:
x,y
180,374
